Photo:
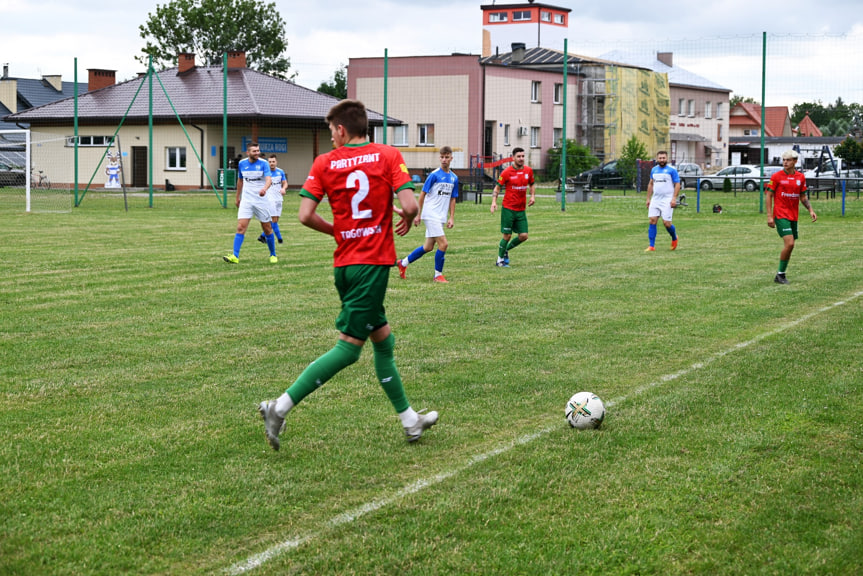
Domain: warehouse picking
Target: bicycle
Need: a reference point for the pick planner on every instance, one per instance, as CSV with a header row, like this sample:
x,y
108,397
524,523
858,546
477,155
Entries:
x,y
41,181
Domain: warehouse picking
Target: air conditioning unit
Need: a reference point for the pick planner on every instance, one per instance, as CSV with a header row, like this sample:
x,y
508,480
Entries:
x,y
522,130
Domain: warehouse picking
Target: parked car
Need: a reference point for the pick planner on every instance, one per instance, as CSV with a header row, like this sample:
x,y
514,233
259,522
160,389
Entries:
x,y
829,181
11,175
689,173
827,169
602,176
742,177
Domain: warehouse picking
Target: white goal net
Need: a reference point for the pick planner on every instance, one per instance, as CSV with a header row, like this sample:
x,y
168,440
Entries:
x,y
28,163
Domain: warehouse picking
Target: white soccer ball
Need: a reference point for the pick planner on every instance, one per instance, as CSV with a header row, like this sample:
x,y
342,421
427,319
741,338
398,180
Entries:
x,y
585,411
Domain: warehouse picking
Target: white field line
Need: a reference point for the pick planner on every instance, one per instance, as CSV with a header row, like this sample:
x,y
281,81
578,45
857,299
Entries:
x,y
351,515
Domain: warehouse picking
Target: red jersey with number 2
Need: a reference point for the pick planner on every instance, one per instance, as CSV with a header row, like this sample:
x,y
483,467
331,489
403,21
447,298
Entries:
x,y
515,184
359,181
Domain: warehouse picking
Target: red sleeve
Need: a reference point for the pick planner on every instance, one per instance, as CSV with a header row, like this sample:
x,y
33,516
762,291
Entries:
x,y
313,184
400,173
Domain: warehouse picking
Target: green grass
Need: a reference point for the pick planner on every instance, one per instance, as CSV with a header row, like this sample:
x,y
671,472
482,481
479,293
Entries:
x,y
132,360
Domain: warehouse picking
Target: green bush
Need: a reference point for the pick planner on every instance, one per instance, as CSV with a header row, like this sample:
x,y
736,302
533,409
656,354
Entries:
x,y
578,159
633,151
726,185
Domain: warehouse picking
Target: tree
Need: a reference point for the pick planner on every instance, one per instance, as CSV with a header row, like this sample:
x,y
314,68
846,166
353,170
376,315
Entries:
x,y
816,110
735,100
338,86
627,164
578,159
850,151
209,28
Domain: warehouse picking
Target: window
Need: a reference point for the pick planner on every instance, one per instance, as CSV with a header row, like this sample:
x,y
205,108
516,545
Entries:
x,y
378,134
497,17
426,135
559,19
521,15
535,91
681,107
175,158
558,93
545,16
400,135
97,141
708,110
692,108
720,132
534,136
506,134
719,110
558,136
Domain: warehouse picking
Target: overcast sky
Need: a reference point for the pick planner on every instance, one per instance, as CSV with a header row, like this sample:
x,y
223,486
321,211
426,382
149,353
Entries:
x,y
44,37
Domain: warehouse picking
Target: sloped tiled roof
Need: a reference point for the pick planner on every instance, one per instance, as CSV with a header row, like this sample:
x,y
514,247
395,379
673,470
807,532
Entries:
x,y
39,92
777,118
31,93
6,125
677,76
195,94
546,58
807,128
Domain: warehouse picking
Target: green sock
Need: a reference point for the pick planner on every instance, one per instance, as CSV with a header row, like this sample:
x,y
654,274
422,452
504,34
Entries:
x,y
342,355
388,374
783,266
501,248
513,243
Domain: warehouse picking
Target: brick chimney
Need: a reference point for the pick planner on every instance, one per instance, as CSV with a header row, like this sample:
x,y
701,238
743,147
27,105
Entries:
x,y
100,78
666,58
236,59
185,62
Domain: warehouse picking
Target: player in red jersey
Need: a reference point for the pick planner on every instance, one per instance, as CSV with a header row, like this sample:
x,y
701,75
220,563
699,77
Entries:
x,y
358,178
516,180
785,191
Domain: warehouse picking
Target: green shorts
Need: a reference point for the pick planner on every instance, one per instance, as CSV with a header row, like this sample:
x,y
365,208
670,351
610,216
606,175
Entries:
x,y
362,289
513,222
786,227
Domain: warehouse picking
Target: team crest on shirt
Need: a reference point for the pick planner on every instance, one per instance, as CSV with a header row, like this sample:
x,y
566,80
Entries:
x,y
404,168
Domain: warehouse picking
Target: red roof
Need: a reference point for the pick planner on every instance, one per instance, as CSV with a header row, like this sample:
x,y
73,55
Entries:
x,y
808,128
777,118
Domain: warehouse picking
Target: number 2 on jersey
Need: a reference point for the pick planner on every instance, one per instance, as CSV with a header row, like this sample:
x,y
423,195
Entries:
x,y
358,179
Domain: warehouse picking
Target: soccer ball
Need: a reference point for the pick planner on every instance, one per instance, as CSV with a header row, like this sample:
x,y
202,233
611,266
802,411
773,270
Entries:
x,y
584,411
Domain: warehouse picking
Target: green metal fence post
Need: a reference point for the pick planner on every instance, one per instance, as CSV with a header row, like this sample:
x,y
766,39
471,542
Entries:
x,y
563,143
763,117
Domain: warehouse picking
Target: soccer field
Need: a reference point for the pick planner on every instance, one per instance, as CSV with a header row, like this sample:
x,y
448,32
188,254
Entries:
x,y
132,360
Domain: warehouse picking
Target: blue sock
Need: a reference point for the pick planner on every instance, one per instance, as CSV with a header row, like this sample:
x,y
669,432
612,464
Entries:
x,y
672,231
416,254
271,242
439,257
276,230
238,243
651,234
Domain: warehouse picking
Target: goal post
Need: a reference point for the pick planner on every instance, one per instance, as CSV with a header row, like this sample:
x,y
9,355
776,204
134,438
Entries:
x,y
27,161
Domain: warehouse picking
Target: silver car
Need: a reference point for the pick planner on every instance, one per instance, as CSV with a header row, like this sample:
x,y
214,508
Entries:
x,y
742,177
689,174
827,181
